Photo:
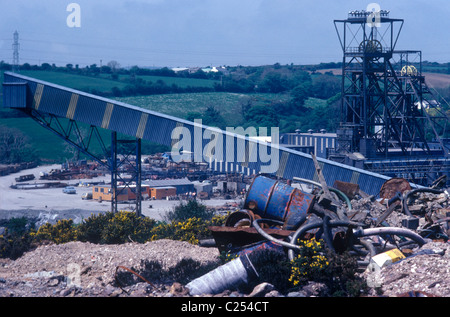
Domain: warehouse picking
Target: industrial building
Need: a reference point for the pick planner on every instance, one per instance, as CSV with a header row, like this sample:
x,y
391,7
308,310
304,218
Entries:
x,y
105,193
310,142
387,110
128,193
205,186
162,192
391,122
183,186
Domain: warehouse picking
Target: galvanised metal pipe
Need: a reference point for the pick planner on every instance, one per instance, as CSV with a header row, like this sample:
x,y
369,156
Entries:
x,y
231,275
390,231
269,237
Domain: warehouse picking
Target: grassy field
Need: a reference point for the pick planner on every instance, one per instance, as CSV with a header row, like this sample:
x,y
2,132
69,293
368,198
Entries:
x,y
48,147
79,82
179,105
179,81
104,83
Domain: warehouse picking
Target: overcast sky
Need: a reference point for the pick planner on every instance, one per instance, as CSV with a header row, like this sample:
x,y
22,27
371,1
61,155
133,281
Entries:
x,y
179,33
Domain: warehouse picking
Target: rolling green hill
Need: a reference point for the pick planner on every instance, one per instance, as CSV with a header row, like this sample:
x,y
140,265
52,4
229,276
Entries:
x,y
104,83
79,82
228,104
179,81
50,148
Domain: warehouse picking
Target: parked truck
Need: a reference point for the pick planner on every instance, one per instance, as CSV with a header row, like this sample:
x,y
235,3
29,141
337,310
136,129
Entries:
x,y
24,178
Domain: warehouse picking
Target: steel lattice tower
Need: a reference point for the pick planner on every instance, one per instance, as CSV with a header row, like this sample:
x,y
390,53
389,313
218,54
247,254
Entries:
x,y
386,104
15,46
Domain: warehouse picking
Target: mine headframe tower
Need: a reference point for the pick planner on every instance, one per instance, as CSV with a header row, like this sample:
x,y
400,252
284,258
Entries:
x,y
387,110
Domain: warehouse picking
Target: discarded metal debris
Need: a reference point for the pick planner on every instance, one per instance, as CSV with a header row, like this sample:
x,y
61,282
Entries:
x,y
276,214
386,258
231,275
271,199
132,272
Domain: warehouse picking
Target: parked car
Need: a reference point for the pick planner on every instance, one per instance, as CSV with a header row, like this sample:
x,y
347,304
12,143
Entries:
x,y
69,190
86,196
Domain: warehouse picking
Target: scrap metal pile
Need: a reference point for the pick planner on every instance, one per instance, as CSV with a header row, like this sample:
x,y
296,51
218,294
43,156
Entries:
x,y
280,214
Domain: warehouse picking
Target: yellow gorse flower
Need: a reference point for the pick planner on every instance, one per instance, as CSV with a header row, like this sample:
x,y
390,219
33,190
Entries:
x,y
309,262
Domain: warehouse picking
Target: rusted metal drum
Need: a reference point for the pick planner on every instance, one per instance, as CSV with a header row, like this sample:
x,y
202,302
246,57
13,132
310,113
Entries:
x,y
258,194
299,205
276,200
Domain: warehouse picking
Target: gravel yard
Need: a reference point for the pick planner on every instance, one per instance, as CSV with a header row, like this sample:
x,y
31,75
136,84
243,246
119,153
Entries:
x,y
51,204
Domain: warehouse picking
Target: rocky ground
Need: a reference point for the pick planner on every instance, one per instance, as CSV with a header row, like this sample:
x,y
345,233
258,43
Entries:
x,y
89,270
428,272
79,269
86,269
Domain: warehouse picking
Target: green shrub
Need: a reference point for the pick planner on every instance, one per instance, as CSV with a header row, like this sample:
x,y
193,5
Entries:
x,y
14,246
91,229
191,209
127,226
62,232
115,228
18,237
191,230
342,279
272,267
186,270
310,263
18,225
337,271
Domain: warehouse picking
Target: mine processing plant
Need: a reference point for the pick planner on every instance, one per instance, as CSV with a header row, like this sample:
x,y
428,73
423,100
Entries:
x,y
391,121
63,110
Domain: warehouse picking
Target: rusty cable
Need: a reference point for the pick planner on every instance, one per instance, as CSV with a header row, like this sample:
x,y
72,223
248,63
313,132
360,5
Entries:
x,y
133,272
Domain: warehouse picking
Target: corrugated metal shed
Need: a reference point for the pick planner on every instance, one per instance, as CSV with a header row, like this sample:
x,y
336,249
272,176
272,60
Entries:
x,y
15,95
167,182
239,153
182,185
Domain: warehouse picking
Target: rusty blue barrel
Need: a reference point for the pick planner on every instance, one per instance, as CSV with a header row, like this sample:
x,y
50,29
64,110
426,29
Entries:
x,y
258,193
279,201
299,206
276,200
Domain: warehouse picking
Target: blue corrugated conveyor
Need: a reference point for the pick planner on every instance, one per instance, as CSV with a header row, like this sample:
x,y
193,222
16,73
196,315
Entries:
x,y
233,152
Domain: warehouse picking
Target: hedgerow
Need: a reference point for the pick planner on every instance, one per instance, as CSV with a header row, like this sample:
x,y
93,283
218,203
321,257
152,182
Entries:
x,y
103,228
